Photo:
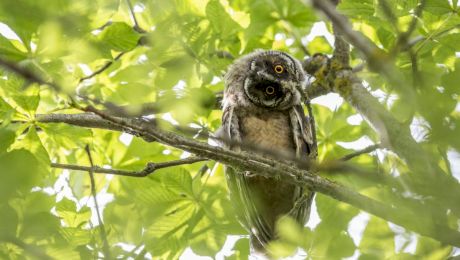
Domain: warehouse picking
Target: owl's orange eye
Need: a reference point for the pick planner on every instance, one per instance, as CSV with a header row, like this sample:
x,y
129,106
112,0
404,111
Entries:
x,y
279,69
270,90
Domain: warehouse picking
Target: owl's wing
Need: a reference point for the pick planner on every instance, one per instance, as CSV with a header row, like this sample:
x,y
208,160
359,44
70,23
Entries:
x,y
305,147
240,193
302,132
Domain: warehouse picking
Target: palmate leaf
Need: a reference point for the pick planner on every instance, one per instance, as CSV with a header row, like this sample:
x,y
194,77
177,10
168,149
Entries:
x,y
75,236
32,143
65,136
330,238
170,232
220,21
67,210
20,93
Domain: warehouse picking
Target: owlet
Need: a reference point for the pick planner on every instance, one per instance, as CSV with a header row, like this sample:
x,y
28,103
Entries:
x,y
262,107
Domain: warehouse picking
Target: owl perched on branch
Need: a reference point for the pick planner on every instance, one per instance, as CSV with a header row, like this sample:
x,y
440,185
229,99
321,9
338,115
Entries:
x,y
262,107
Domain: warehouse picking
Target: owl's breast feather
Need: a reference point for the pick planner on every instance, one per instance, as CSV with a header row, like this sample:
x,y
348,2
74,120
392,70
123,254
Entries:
x,y
270,130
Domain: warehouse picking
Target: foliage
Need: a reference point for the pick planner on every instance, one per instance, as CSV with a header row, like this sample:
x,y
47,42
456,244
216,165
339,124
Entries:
x,y
178,63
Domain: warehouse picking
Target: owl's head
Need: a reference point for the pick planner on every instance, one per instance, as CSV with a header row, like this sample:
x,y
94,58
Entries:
x,y
269,79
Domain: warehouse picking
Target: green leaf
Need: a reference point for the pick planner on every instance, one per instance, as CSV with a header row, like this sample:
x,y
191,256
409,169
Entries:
x,y
6,139
32,143
319,45
9,51
6,112
357,8
36,208
25,96
18,173
66,136
438,7
8,220
75,236
221,22
241,250
119,37
177,180
330,238
169,232
67,210
378,240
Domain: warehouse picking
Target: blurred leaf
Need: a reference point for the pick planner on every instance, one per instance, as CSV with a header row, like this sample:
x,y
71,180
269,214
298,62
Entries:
x,y
32,143
220,20
18,173
8,220
6,139
66,136
67,210
25,96
241,250
438,7
319,45
378,240
9,51
119,37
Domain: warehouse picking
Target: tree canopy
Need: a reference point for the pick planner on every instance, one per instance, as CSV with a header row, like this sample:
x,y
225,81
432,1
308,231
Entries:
x,y
107,109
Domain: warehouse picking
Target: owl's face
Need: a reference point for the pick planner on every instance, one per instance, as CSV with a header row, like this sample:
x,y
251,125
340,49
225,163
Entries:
x,y
268,79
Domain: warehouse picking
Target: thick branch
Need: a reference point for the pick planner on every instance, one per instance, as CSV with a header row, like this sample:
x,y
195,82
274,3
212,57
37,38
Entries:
x,y
149,169
277,169
341,23
393,134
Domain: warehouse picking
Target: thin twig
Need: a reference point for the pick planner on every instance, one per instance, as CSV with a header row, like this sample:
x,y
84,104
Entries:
x,y
368,149
96,205
149,169
103,68
133,17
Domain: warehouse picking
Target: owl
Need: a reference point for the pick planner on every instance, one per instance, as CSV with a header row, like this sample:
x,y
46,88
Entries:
x,y
262,107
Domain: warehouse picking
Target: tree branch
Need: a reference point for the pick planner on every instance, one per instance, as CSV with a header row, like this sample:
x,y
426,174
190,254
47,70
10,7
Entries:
x,y
277,169
149,169
103,233
393,134
368,149
103,68
133,17
273,168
